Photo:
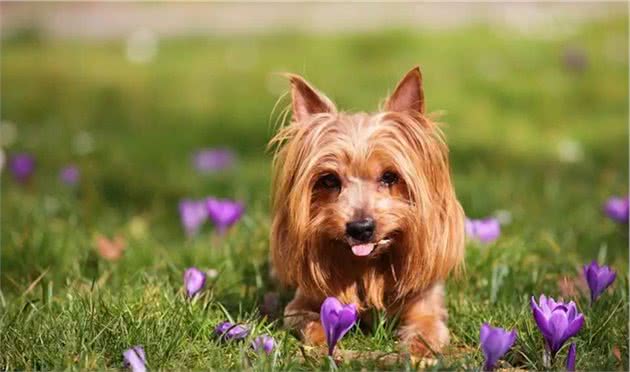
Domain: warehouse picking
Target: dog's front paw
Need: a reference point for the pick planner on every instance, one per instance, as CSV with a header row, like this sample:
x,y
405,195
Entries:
x,y
424,339
314,334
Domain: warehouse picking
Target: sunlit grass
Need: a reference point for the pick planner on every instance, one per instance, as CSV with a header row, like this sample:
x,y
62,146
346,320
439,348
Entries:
x,y
509,101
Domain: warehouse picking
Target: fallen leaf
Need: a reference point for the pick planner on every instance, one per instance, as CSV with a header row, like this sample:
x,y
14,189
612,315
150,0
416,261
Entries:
x,y
617,353
572,286
110,250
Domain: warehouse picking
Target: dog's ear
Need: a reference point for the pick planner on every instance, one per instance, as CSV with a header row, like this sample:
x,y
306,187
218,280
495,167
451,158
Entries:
x,y
408,95
306,100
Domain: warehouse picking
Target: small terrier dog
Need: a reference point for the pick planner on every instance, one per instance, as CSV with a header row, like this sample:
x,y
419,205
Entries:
x,y
364,210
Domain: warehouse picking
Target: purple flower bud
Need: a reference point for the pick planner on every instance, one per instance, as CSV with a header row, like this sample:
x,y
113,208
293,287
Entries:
x,y
22,166
69,175
484,230
575,59
617,209
598,278
557,321
271,304
231,331
337,319
224,213
264,343
135,359
495,342
194,280
193,214
571,358
211,160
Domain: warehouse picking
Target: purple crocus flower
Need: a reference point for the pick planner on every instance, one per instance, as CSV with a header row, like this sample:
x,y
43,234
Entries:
x,y
69,175
598,278
224,213
210,160
484,230
194,280
337,319
135,359
557,321
617,209
495,342
264,343
22,166
571,358
193,214
231,331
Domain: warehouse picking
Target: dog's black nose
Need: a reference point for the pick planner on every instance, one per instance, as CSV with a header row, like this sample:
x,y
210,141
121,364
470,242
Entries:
x,y
361,230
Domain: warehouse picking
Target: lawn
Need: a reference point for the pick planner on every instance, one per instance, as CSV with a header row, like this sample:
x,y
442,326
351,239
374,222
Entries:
x,y
537,126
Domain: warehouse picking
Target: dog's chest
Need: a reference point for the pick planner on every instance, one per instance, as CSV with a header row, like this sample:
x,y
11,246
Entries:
x,y
373,289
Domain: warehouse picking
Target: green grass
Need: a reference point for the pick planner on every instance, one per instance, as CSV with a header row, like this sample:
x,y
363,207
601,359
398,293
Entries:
x,y
509,100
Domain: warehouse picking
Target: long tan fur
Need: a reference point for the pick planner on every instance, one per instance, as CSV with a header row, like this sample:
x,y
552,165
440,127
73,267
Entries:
x,y
421,211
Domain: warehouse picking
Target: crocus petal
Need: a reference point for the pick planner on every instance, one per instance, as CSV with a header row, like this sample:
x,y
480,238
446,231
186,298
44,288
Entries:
x,y
617,209
135,359
488,230
603,280
22,166
264,343
470,228
238,332
495,342
347,318
558,325
484,332
193,214
222,327
492,350
69,175
611,278
571,358
231,331
543,302
329,313
571,311
336,319
484,230
194,280
210,160
598,278
575,326
541,320
224,213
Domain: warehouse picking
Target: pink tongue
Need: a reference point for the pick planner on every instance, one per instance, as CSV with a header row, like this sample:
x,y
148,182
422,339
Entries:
x,y
362,249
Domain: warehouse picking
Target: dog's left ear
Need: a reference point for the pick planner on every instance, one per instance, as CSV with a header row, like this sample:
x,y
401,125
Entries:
x,y
306,100
408,95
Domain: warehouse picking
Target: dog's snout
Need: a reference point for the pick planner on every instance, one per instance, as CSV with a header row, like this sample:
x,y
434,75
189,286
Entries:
x,y
361,230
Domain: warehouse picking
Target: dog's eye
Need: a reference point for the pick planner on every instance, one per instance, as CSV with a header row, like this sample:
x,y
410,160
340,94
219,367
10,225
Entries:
x,y
329,181
389,178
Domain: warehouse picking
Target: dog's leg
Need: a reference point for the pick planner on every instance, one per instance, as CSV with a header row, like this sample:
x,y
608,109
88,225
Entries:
x,y
302,315
423,322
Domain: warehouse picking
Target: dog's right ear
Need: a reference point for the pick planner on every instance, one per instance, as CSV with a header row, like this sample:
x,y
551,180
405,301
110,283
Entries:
x,y
306,100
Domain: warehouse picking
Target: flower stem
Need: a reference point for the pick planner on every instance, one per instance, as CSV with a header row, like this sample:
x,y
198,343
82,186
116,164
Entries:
x,y
332,364
547,358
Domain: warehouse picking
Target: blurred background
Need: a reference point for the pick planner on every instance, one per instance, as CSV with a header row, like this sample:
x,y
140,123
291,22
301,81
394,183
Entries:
x,y
534,97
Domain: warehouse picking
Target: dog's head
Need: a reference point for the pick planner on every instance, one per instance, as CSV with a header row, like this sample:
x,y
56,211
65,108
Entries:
x,y
360,185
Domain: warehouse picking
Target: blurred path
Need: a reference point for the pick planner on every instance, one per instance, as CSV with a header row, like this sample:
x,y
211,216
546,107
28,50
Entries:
x,y
103,20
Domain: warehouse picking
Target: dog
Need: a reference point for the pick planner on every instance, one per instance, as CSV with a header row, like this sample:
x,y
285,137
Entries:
x,y
363,209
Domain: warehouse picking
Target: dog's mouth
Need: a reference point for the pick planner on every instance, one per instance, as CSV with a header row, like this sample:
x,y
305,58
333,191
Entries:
x,y
365,249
